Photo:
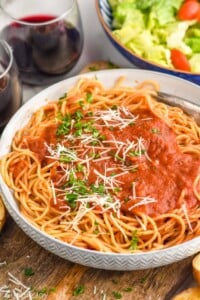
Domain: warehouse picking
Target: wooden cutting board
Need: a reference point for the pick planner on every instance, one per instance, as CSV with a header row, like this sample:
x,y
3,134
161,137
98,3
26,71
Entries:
x,y
63,279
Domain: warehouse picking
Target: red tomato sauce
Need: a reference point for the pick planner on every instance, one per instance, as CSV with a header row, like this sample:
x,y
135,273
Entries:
x,y
161,171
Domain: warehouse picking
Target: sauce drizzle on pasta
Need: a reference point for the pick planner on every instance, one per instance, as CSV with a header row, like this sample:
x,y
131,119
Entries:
x,y
109,169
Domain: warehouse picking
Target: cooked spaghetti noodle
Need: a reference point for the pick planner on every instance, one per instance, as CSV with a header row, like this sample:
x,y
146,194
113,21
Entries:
x,y
111,170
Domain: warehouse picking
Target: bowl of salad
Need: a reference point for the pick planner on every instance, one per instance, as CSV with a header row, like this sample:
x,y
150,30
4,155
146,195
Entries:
x,y
160,35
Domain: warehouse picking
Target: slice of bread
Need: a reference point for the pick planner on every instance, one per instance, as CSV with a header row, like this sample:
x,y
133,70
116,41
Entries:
x,y
192,293
196,268
2,214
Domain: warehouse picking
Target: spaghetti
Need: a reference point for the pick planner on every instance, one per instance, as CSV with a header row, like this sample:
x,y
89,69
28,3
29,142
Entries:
x,y
111,170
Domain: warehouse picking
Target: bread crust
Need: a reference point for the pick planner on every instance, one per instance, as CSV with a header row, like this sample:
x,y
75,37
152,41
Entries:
x,y
2,214
196,268
192,293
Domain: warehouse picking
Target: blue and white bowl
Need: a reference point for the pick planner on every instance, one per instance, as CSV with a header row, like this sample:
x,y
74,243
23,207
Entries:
x,y
105,17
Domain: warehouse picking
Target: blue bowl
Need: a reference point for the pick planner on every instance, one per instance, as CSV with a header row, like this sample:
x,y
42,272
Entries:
x,y
105,17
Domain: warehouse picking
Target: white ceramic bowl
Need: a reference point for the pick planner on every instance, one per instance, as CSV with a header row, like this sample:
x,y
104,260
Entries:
x,y
111,261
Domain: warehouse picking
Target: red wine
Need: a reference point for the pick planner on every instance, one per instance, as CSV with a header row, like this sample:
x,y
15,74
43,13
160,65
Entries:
x,y
10,97
43,52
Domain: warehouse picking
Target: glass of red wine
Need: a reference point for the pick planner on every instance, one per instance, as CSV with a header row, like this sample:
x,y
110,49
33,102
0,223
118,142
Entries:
x,y
10,85
46,37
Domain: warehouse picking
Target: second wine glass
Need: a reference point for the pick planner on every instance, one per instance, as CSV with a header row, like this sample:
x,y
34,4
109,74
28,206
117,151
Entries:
x,y
46,37
10,85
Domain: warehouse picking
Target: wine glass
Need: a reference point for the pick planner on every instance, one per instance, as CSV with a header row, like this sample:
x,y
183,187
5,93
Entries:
x,y
46,37
10,85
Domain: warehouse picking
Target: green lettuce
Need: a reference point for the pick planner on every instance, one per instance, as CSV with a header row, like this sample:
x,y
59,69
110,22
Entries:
x,y
151,29
192,38
195,63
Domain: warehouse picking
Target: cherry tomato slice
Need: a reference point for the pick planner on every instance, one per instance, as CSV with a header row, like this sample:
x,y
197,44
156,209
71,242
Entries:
x,y
179,60
189,10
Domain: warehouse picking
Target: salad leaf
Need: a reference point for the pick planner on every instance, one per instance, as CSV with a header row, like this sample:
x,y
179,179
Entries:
x,y
146,4
195,63
140,43
192,38
194,44
159,54
126,12
176,38
164,11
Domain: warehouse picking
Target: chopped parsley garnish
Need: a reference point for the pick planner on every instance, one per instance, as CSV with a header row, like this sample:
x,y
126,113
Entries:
x,y
90,114
128,289
79,290
155,130
28,271
96,231
134,170
99,189
80,187
78,115
115,281
71,197
64,128
81,104
79,168
89,97
63,96
137,153
118,157
116,189
134,241
67,157
52,290
93,68
143,279
42,291
117,295
112,65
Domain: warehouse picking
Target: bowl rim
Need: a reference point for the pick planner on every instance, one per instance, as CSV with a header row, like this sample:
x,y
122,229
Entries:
x,y
111,35
32,231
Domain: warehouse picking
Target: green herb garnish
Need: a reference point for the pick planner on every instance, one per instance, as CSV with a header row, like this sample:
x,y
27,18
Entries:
x,y
79,290
63,96
155,130
117,295
89,97
99,189
71,199
137,153
64,128
28,272
134,241
115,281
128,289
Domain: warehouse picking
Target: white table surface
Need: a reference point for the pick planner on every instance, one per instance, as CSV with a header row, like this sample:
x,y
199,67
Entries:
x,y
96,46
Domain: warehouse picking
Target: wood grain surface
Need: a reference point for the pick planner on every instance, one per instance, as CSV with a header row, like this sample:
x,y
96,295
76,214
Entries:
x,y
60,279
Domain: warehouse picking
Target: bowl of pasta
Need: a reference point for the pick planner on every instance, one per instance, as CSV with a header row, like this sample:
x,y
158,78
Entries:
x,y
100,172
155,35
